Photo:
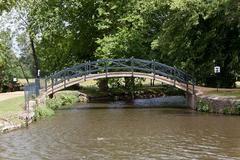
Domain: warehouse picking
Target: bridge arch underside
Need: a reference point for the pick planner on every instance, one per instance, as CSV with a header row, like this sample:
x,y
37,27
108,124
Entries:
x,y
70,82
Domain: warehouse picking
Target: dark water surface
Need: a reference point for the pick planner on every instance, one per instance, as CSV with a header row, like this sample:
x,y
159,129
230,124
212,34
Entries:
x,y
122,131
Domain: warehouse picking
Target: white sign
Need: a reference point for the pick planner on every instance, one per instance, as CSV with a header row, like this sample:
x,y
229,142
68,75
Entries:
x,y
14,79
38,73
217,69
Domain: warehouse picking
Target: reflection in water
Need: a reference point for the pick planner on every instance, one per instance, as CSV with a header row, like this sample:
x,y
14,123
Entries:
x,y
131,133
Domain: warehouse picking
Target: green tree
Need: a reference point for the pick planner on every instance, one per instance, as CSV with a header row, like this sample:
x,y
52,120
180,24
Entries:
x,y
193,35
9,63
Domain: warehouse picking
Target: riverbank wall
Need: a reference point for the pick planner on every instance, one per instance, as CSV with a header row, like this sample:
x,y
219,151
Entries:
x,y
198,102
217,104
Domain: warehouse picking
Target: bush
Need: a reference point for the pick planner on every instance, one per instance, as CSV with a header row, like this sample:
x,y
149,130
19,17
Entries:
x,y
238,108
62,99
54,103
234,110
68,99
226,110
43,111
202,106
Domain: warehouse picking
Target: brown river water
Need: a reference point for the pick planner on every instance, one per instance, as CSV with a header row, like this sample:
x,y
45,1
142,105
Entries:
x,y
142,130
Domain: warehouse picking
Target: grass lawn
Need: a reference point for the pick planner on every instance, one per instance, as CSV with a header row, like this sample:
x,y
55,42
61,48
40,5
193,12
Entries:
x,y
235,93
11,106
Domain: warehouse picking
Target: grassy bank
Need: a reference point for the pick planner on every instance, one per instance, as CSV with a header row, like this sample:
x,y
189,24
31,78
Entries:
x,y
10,109
235,93
62,99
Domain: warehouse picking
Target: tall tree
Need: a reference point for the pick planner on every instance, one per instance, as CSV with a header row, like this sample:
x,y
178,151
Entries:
x,y
188,34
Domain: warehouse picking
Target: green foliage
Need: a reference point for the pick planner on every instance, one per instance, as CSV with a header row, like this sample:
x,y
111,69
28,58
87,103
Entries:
x,y
54,103
226,110
62,99
5,5
237,108
193,35
9,63
202,106
170,90
43,111
167,30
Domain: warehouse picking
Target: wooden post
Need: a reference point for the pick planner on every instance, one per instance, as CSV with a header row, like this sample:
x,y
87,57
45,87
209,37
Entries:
x,y
106,69
85,72
154,71
89,67
45,84
64,78
186,81
133,87
52,81
193,85
132,63
174,76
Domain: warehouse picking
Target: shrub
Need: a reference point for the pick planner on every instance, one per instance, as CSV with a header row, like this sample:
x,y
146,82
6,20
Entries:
x,y
43,111
238,108
62,99
54,103
235,110
226,110
203,106
68,99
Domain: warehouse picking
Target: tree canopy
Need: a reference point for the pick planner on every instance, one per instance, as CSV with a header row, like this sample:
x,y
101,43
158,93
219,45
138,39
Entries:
x,y
193,35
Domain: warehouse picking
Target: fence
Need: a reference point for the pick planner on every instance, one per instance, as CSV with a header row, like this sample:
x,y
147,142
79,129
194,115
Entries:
x,y
31,91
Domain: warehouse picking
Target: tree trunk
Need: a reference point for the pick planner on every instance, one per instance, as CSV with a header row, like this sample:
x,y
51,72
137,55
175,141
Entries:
x,y
36,62
25,76
129,85
103,84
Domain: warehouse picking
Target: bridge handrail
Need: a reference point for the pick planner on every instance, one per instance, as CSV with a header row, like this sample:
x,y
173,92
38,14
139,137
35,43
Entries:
x,y
129,64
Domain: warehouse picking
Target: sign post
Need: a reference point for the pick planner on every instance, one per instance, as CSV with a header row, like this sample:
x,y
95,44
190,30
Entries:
x,y
217,71
37,82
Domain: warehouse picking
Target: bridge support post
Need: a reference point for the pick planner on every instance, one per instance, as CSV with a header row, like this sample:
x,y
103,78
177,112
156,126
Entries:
x,y
52,83
154,72
45,84
191,100
106,70
132,63
174,75
152,82
64,79
89,67
133,87
193,88
85,73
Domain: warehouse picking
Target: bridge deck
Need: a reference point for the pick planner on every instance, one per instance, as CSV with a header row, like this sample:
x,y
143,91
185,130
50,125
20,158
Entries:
x,y
69,82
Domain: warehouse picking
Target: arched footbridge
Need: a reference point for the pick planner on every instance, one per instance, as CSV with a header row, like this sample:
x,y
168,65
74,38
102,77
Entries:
x,y
108,68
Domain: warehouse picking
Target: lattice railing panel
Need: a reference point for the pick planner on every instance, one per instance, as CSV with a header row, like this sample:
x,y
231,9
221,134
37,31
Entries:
x,y
117,65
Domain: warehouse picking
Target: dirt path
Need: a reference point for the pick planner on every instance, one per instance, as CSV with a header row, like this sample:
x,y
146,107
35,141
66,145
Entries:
x,y
9,95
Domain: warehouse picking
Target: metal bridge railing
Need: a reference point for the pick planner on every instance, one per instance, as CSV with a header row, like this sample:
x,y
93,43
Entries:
x,y
33,90
116,65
